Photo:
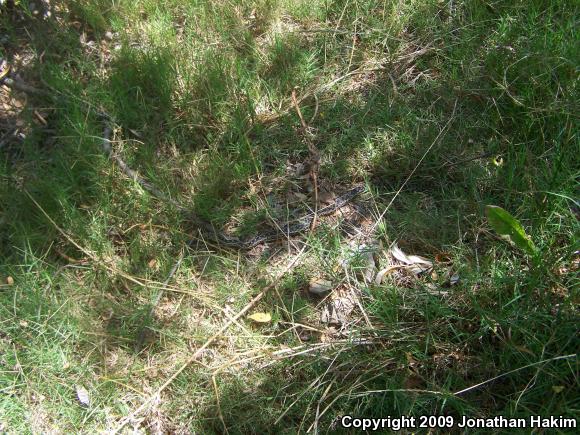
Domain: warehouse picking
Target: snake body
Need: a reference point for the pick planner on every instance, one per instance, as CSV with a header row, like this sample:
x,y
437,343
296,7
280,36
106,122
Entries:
x,y
287,230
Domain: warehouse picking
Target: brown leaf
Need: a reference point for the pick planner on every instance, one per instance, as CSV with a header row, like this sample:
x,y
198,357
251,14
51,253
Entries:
x,y
384,272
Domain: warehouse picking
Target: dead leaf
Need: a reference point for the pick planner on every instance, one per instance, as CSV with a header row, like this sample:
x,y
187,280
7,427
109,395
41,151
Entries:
x,y
409,259
9,280
261,317
384,272
443,257
319,286
152,263
83,396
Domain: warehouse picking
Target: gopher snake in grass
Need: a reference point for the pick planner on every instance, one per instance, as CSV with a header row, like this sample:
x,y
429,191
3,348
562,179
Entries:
x,y
286,230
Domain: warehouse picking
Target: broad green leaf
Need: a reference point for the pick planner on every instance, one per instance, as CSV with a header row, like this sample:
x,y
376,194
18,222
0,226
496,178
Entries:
x,y
261,317
507,225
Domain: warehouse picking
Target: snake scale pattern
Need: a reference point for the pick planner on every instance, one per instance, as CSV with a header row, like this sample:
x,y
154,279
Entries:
x,y
287,230
220,237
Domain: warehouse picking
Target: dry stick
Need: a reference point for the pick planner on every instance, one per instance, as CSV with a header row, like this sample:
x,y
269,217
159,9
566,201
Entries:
x,y
314,159
208,343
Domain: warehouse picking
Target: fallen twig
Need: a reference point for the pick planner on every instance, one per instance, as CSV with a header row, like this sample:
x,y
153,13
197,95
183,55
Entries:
x,y
314,160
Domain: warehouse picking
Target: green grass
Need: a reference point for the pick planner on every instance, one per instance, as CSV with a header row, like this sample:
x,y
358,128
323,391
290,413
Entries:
x,y
201,94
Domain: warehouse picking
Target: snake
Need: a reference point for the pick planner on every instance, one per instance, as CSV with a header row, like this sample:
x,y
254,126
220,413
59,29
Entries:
x,y
293,228
298,226
220,237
